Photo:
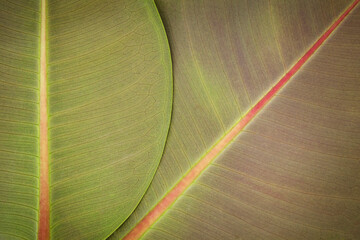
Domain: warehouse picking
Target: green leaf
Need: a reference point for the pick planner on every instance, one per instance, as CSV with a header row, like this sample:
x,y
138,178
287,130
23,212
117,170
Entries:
x,y
291,173
109,91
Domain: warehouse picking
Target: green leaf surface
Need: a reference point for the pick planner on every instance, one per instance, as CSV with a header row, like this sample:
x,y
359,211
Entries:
x,y
109,91
19,119
292,173
226,56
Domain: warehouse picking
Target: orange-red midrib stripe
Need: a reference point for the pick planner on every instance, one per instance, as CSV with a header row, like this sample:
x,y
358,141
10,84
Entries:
x,y
184,183
44,213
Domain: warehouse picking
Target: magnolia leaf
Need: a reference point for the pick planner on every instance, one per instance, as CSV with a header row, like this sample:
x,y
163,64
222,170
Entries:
x,y
293,172
109,92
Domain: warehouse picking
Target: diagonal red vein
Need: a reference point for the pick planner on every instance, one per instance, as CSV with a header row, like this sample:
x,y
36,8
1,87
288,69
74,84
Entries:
x,y
186,181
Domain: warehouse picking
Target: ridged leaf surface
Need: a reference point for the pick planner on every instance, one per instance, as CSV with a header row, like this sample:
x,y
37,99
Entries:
x,y
294,171
109,92
226,56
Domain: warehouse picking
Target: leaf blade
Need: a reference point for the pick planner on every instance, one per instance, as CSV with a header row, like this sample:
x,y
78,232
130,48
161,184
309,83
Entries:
x,y
19,132
279,180
109,104
109,112
171,17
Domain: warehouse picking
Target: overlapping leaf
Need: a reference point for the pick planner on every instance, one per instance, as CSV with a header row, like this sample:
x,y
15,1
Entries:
x,y
226,55
109,96
294,172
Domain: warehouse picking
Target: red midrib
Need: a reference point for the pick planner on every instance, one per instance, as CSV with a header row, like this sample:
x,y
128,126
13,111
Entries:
x,y
44,226
186,181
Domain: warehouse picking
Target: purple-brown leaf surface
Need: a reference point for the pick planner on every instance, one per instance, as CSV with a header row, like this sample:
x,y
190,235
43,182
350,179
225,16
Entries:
x,y
293,172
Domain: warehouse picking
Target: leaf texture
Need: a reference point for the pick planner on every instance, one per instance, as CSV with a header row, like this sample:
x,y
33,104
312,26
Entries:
x,y
294,172
19,119
110,102
109,91
226,55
